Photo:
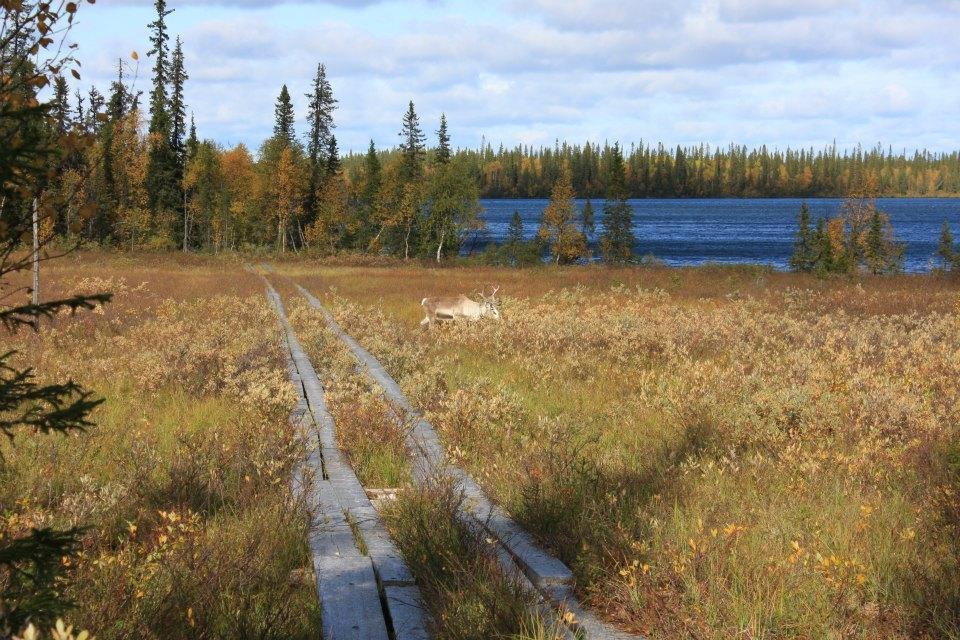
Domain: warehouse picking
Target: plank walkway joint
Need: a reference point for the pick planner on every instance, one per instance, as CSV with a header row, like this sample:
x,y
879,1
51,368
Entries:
x,y
370,596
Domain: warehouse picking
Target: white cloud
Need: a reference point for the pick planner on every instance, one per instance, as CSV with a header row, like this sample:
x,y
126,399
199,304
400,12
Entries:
x,y
748,71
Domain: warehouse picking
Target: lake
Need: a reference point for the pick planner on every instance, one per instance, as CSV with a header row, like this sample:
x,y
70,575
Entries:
x,y
756,230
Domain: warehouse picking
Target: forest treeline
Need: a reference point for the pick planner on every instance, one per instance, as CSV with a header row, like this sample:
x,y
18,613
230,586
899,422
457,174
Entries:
x,y
705,172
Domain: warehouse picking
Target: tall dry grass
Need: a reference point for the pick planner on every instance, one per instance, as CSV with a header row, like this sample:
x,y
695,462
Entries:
x,y
716,452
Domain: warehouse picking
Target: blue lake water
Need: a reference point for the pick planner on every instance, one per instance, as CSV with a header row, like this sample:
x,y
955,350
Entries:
x,y
757,230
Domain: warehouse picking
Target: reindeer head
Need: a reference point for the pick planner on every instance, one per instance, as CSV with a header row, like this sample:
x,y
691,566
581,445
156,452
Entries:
x,y
490,305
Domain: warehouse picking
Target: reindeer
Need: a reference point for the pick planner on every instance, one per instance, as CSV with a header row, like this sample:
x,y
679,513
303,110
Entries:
x,y
454,307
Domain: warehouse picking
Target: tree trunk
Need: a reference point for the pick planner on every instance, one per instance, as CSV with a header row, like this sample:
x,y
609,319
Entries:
x,y
36,253
439,249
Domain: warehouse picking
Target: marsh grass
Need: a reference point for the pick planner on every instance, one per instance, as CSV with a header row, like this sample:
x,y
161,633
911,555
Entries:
x,y
468,596
716,452
183,485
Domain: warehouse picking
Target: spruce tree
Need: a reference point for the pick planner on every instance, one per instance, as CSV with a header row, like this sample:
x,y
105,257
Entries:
x,y
617,239
333,157
119,96
803,248
443,142
283,113
946,250
824,262
874,250
95,104
80,118
193,143
372,180
515,230
412,147
514,249
178,110
587,220
320,107
159,41
60,105
163,190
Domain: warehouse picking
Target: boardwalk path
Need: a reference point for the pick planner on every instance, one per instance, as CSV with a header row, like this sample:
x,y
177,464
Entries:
x,y
363,596
519,555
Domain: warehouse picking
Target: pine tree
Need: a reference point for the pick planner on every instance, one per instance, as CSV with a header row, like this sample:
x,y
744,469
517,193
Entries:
x,y
617,239
283,125
178,110
946,250
412,147
803,248
443,142
320,107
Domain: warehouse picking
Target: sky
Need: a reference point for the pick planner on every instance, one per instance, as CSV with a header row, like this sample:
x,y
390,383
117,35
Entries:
x,y
775,72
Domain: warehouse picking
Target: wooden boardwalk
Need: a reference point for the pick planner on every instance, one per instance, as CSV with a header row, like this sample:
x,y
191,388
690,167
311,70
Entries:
x,y
363,596
516,550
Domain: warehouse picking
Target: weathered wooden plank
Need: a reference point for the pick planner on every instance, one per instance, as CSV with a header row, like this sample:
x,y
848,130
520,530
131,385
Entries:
x,y
349,599
406,612
348,583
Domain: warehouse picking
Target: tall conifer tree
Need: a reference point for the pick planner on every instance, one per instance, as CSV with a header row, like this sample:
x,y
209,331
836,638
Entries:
x,y
333,157
945,248
617,239
412,148
443,142
178,109
163,191
320,107
803,258
60,107
193,143
159,42
587,219
283,113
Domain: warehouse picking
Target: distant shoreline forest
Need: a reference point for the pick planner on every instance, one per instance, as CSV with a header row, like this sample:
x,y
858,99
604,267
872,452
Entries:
x,y
735,171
